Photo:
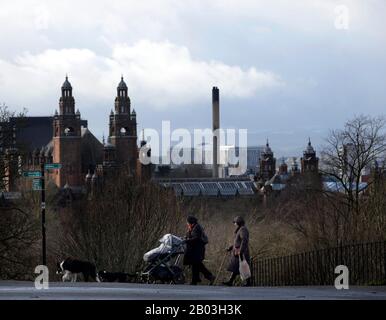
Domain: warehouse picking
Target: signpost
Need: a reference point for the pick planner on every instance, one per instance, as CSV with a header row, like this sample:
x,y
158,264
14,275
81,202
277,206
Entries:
x,y
53,166
32,174
10,195
43,208
38,184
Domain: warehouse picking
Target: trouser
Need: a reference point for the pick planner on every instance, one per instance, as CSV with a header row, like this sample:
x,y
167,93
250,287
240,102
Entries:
x,y
196,269
248,282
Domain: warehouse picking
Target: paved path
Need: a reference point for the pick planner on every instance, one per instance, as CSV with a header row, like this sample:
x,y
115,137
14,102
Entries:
x,y
11,290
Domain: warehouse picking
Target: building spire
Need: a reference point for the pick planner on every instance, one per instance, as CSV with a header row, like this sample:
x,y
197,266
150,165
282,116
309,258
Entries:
x,y
66,84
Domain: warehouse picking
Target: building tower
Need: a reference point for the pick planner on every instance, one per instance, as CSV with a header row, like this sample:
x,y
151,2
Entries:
x,y
309,161
294,167
215,127
144,170
267,163
9,157
67,140
283,168
123,129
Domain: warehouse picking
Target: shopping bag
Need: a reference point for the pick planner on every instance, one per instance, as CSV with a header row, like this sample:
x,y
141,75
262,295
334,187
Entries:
x,y
245,271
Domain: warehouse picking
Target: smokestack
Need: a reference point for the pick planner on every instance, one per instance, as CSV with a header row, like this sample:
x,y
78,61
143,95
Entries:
x,y
215,127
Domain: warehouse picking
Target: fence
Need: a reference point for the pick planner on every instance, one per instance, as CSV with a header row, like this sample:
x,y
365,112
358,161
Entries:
x,y
366,263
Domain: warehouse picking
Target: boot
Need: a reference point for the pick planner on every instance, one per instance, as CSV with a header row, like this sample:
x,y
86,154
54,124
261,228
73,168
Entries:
x,y
248,283
211,280
229,283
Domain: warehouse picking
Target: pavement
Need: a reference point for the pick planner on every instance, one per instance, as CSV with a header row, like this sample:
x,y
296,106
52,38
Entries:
x,y
22,290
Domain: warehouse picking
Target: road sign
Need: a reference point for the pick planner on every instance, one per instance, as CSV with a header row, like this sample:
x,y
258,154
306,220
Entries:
x,y
37,184
11,195
48,166
32,174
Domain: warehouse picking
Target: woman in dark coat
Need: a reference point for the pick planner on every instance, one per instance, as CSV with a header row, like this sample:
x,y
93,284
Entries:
x,y
239,249
195,251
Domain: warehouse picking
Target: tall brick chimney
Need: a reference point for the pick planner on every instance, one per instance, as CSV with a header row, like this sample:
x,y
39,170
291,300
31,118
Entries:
x,y
215,126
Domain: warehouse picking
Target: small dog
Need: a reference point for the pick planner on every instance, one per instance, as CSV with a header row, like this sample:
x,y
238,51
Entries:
x,y
70,268
105,276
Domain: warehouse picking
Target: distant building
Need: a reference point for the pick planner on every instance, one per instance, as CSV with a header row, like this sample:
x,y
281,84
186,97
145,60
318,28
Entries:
x,y
253,156
65,139
309,161
267,163
227,156
283,168
294,166
210,187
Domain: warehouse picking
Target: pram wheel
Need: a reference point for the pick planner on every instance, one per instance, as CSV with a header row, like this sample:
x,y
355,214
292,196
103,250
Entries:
x,y
179,279
163,262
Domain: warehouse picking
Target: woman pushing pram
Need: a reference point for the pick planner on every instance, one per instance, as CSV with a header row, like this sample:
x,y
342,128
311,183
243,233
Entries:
x,y
163,261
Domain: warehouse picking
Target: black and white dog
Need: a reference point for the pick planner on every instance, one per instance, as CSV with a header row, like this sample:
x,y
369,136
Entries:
x,y
105,276
70,268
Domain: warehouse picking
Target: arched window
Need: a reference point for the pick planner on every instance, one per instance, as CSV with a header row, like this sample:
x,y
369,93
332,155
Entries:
x,y
69,131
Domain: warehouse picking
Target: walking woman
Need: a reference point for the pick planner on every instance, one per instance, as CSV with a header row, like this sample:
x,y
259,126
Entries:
x,y
239,249
195,251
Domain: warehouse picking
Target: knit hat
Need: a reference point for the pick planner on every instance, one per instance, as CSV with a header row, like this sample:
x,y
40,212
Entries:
x,y
191,219
239,220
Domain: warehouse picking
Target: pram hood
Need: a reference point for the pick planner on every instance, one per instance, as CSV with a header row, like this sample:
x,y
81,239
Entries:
x,y
169,244
171,240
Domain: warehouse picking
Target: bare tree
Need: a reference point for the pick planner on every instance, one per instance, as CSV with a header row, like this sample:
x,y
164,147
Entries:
x,y
303,207
348,153
19,235
8,145
18,226
119,224
351,210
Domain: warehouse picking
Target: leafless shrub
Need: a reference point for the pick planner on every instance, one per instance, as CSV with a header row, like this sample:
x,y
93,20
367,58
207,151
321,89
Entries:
x,y
19,239
352,212
117,226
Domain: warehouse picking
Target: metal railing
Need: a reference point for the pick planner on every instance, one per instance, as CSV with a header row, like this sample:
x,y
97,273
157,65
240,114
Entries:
x,y
366,263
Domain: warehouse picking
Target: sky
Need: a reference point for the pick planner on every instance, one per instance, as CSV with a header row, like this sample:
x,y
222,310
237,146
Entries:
x,y
286,69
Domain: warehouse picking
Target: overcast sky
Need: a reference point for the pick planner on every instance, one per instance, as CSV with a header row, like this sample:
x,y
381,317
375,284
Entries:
x,y
284,69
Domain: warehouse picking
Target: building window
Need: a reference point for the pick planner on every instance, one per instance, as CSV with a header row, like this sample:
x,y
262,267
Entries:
x,y
69,131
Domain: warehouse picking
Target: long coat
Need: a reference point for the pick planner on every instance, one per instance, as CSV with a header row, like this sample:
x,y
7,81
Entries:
x,y
195,247
241,241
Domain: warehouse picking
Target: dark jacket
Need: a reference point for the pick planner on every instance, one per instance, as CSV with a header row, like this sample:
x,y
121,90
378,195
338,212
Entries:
x,y
241,241
195,247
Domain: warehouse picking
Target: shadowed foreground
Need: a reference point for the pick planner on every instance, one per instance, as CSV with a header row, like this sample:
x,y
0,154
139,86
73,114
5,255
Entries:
x,y
17,290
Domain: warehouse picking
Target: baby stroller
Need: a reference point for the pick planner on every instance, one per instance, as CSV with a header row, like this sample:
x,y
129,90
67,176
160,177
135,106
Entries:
x,y
162,262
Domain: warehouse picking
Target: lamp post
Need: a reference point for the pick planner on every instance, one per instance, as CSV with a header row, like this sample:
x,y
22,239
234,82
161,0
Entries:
x,y
43,214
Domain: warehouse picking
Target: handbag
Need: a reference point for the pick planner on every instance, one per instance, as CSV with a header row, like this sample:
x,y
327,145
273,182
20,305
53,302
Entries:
x,y
204,237
245,270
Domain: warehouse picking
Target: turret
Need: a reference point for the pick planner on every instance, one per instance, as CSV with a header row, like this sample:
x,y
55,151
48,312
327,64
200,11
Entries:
x,y
66,101
309,161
